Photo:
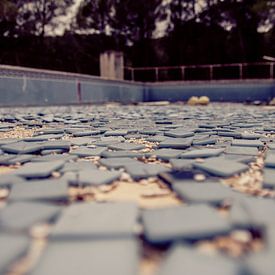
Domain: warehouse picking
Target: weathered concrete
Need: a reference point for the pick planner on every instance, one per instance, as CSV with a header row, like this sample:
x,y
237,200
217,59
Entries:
x,y
112,65
23,91
231,91
117,91
18,91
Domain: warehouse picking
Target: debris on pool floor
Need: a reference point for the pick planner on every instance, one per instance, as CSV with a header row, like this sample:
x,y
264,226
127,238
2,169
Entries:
x,y
137,189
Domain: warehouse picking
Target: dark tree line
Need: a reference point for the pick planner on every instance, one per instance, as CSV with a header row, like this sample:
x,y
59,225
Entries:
x,y
149,32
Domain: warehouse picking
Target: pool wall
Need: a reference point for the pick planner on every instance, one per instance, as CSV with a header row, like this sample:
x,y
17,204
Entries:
x,y
21,91
26,92
228,91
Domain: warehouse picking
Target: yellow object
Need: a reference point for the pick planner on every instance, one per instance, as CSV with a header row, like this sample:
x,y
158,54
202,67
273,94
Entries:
x,y
272,102
194,100
204,100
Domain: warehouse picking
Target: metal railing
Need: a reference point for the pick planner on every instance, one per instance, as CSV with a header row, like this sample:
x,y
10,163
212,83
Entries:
x,y
261,70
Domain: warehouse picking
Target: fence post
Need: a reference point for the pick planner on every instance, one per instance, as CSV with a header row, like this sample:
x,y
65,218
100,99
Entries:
x,y
182,73
241,70
156,74
271,70
132,74
211,72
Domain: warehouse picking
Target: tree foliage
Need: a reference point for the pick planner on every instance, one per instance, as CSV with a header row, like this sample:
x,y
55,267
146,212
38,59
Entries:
x,y
8,13
34,16
128,20
193,32
95,15
181,11
31,17
137,20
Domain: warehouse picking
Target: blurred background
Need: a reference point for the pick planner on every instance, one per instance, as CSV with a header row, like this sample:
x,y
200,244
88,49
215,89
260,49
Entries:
x,y
69,35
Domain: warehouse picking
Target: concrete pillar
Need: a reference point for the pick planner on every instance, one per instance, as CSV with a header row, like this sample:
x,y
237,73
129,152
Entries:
x,y
112,65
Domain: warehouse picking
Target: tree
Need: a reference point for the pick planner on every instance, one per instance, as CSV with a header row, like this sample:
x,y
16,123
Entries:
x,y
96,16
181,11
242,19
137,20
35,16
8,13
183,14
126,20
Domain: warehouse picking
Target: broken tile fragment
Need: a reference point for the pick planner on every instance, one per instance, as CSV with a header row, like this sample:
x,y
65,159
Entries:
x,y
221,167
13,248
126,146
43,137
95,177
54,157
166,153
244,151
43,190
88,152
77,166
7,180
121,154
176,143
86,221
38,169
181,259
22,147
117,163
252,212
247,143
116,133
193,222
207,192
270,160
179,134
57,144
142,170
269,178
100,256
201,153
261,263
206,141
181,164
23,215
